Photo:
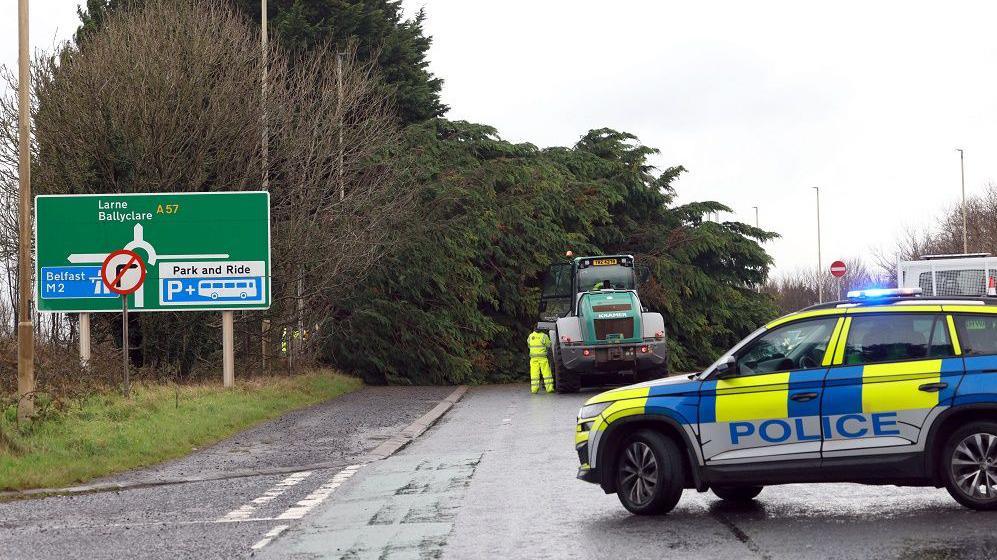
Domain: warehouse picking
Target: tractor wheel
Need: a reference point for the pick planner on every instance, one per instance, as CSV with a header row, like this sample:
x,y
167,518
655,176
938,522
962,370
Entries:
x,y
565,381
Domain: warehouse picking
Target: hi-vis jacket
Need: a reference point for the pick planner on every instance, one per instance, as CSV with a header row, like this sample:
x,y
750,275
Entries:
x,y
539,343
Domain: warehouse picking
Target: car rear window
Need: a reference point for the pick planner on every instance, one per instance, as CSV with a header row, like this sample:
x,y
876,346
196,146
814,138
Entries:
x,y
977,334
896,337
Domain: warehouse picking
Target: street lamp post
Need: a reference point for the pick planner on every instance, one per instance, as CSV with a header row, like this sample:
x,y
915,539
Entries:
x,y
962,176
820,278
758,288
25,330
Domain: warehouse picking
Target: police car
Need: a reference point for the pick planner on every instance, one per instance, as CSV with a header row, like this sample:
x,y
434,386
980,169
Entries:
x,y
884,388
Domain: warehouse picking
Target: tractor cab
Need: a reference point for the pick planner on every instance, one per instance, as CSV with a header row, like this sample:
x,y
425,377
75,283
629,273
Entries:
x,y
566,282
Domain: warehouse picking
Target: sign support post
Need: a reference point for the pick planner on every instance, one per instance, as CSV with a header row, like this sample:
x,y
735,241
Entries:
x,y
124,343
123,273
838,270
84,339
228,352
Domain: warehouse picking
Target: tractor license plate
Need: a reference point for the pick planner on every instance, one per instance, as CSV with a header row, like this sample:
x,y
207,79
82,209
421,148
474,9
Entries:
x,y
604,262
614,354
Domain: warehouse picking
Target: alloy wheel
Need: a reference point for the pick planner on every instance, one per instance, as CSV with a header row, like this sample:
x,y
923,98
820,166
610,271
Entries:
x,y
974,466
639,473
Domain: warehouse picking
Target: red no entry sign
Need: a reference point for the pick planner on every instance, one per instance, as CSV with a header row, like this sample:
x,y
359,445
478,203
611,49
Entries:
x,y
838,269
123,272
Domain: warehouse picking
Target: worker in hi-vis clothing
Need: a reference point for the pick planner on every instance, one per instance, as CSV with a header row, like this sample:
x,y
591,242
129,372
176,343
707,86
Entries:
x,y
539,342
604,285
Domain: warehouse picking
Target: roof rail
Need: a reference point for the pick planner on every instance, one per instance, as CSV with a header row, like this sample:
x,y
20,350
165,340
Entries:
x,y
986,300
953,256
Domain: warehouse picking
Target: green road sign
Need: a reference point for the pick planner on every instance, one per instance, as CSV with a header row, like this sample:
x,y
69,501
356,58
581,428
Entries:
x,y
201,251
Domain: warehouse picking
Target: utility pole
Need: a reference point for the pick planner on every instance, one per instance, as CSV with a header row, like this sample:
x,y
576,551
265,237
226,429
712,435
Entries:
x,y
25,332
263,97
962,174
820,271
339,111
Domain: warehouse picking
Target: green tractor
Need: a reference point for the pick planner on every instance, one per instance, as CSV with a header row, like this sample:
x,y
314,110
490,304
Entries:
x,y
597,325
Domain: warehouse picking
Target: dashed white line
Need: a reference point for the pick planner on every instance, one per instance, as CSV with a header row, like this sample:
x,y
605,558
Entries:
x,y
300,509
246,511
270,536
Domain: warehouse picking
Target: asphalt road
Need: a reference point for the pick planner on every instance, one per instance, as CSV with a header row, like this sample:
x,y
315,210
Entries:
x,y
493,478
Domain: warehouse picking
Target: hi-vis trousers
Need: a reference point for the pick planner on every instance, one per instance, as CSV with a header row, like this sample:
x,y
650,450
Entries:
x,y
540,367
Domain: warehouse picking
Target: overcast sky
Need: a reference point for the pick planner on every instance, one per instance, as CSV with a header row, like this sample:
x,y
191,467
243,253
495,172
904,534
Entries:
x,y
760,101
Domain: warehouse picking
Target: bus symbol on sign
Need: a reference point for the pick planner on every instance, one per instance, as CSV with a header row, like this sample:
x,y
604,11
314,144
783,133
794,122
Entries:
x,y
227,289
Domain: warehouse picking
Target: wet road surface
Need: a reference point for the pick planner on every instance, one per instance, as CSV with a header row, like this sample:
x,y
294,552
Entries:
x,y
495,478
221,518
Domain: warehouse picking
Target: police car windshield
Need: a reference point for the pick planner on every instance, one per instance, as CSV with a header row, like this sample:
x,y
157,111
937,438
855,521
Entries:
x,y
620,277
723,358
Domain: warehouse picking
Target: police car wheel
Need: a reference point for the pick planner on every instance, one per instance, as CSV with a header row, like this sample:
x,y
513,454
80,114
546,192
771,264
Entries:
x,y
737,493
969,464
649,473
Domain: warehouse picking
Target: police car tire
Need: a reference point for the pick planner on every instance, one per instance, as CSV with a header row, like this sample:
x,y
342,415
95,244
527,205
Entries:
x,y
737,493
670,474
945,464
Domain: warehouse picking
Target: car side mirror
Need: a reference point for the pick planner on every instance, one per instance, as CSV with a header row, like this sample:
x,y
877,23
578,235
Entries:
x,y
727,369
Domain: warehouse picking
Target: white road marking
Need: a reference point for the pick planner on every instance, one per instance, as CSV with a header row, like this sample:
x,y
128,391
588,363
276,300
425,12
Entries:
x,y
246,511
300,509
270,536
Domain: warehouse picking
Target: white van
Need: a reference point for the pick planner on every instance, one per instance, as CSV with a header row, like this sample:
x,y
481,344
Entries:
x,y
950,275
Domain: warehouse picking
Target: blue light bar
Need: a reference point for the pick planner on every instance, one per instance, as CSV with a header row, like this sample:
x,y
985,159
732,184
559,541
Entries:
x,y
880,293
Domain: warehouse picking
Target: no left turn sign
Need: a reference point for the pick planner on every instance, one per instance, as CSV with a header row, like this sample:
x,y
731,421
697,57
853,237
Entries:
x,y
123,272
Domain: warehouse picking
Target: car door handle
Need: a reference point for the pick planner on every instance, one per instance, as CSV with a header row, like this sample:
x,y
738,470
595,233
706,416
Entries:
x,y
803,397
932,387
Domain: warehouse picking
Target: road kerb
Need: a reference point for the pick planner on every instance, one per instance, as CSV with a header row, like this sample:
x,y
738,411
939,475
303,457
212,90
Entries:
x,y
415,429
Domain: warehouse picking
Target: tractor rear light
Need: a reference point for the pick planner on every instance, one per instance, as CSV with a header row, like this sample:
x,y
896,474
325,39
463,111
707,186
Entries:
x,y
565,338
643,349
659,334
586,352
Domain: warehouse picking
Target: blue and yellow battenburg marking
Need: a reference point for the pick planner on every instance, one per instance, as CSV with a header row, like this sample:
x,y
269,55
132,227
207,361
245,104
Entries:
x,y
851,402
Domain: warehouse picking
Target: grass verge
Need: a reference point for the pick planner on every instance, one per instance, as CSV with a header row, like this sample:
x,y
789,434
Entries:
x,y
107,433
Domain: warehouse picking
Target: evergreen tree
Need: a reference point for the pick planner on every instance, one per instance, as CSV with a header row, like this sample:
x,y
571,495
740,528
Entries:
x,y
456,301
